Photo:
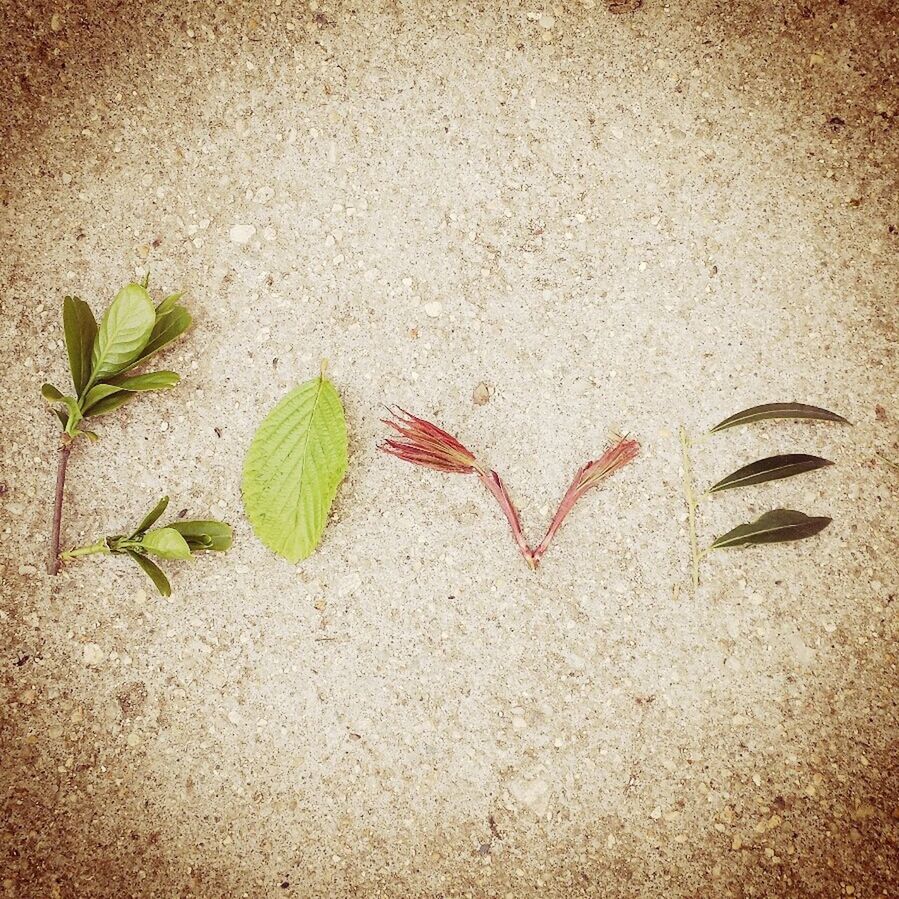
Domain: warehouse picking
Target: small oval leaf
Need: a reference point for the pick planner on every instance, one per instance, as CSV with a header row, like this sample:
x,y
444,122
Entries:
x,y
773,468
776,526
204,535
124,331
166,543
153,571
80,330
293,468
778,410
109,403
51,394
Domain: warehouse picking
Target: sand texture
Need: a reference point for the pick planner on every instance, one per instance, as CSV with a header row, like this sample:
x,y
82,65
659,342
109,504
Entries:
x,y
535,225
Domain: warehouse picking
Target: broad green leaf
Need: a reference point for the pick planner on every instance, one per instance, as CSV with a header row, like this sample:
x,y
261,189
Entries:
x,y
168,327
124,332
293,468
80,329
51,394
166,543
109,403
771,469
153,571
778,410
151,517
153,380
204,535
777,526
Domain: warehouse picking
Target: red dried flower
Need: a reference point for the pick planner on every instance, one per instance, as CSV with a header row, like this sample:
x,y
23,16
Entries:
x,y
423,443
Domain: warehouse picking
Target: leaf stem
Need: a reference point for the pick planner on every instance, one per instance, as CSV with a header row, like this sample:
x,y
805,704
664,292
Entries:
x,y
100,546
690,499
65,449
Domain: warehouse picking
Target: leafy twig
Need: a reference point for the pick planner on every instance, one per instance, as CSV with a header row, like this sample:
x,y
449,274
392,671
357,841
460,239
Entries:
x,y
178,540
131,331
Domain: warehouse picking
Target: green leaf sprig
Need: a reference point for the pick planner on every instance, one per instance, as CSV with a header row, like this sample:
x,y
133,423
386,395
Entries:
x,y
777,525
178,540
101,356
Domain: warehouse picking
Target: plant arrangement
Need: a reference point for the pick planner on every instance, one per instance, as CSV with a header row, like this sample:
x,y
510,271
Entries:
x,y
176,540
777,525
101,359
423,443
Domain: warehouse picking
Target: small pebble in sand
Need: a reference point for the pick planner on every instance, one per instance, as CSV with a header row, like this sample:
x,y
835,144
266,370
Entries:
x,y
433,309
242,233
481,395
93,655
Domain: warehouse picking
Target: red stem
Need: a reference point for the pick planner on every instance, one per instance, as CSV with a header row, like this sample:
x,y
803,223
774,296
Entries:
x,y
492,481
568,503
53,563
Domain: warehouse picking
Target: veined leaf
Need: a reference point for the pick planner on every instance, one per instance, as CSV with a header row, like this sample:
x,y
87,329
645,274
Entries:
x,y
204,535
293,468
772,468
169,326
152,380
166,543
778,410
109,402
80,329
124,332
168,304
151,517
153,571
777,526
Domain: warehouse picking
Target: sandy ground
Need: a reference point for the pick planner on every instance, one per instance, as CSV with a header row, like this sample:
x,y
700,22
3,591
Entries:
x,y
615,219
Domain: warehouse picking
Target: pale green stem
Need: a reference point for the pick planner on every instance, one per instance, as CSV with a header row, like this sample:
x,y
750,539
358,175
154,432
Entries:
x,y
690,498
99,547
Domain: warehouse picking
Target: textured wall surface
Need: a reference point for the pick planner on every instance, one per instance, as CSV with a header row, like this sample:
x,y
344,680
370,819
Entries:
x,y
624,217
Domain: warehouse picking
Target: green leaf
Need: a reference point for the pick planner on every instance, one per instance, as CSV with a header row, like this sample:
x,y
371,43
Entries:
x,y
153,380
772,468
778,410
204,535
51,394
109,403
124,332
151,517
95,394
777,526
80,329
169,326
63,418
168,304
153,571
293,468
166,543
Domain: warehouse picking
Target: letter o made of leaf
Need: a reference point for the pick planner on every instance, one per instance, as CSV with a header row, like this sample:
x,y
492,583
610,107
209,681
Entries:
x,y
293,468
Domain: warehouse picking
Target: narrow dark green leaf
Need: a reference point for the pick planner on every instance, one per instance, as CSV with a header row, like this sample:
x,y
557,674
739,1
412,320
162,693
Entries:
x,y
151,517
80,329
153,380
777,526
778,410
772,468
109,403
207,535
95,394
64,419
153,571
